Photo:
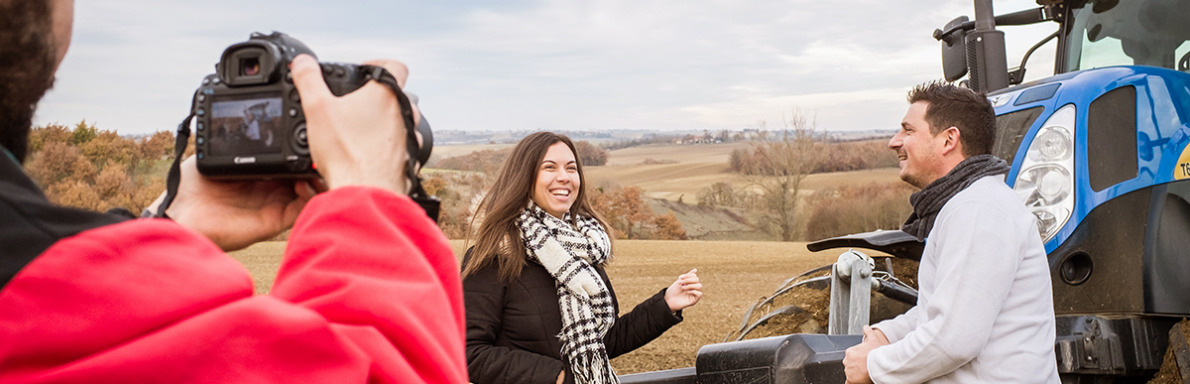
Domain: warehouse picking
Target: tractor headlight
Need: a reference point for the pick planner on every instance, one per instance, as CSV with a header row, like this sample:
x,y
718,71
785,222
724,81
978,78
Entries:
x,y
1046,180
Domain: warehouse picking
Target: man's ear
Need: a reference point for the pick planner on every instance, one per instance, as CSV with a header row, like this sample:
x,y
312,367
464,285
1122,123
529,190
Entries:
x,y
952,143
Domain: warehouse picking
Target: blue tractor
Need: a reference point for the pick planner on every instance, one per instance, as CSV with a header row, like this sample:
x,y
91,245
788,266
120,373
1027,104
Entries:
x,y
1099,155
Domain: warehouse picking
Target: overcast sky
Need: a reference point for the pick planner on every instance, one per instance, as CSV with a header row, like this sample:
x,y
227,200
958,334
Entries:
x,y
540,64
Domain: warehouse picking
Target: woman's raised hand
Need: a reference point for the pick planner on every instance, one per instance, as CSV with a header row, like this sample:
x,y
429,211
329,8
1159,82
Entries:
x,y
684,292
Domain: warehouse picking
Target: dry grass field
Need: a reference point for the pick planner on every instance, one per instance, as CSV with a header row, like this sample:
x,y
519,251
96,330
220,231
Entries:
x,y
671,172
734,275
693,153
667,171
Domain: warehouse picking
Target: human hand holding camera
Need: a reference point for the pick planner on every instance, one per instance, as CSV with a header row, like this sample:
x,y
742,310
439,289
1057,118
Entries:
x,y
358,138
236,214
253,189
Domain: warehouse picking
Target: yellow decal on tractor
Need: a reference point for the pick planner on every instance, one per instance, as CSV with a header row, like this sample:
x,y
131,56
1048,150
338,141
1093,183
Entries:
x,y
1182,169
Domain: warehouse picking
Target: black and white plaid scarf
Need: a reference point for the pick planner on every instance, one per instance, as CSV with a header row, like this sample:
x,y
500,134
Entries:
x,y
929,200
570,254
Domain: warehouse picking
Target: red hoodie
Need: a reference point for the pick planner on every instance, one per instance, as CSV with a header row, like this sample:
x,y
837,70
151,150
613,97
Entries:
x,y
368,291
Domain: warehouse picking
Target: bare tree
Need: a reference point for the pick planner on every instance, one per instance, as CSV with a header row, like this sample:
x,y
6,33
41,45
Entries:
x,y
788,156
590,154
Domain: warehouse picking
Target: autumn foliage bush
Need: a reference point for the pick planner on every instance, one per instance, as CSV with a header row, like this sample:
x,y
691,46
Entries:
x,y
590,155
98,170
854,209
856,155
832,157
624,208
460,193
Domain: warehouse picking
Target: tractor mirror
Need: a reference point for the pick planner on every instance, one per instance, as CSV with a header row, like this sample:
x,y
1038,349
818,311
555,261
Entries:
x,y
954,49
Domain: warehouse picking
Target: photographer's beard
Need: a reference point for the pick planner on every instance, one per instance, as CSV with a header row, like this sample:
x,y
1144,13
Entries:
x,y
28,59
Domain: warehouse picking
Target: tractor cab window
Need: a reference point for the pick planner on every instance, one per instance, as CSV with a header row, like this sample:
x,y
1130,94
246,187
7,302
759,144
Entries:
x,y
1114,32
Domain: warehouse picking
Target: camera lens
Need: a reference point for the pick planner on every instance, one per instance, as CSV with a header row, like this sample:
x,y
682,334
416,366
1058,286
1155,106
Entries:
x,y
250,66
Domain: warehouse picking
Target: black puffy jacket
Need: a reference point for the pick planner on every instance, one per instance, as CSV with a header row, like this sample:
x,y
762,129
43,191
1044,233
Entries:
x,y
512,329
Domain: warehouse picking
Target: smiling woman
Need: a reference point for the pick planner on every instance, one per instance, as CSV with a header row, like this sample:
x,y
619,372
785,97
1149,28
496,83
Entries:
x,y
557,180
540,308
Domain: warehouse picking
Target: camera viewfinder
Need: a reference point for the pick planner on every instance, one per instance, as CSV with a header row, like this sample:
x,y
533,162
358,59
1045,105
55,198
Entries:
x,y
250,66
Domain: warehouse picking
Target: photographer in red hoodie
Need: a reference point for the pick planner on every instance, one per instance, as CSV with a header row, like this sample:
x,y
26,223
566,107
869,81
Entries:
x,y
368,290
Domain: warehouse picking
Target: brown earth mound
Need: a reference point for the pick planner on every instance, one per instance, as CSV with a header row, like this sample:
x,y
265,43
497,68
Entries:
x,y
803,306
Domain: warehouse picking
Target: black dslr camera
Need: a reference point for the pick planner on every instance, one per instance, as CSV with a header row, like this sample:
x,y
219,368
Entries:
x,y
249,120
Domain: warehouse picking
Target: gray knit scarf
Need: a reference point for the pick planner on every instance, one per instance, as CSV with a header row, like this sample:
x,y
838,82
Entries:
x,y
570,253
929,200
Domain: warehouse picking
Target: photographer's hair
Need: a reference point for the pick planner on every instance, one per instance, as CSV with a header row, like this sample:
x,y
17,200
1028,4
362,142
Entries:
x,y
954,106
28,57
499,238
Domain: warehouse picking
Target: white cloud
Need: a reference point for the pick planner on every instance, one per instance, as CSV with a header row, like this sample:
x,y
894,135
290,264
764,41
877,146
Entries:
x,y
549,64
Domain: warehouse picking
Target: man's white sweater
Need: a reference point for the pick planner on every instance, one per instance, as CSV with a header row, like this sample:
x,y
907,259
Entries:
x,y
984,310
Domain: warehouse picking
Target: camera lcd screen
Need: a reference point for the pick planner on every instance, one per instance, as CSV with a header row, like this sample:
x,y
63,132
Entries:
x,y
246,125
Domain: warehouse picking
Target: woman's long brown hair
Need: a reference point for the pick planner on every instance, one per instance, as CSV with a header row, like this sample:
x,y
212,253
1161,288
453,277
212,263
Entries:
x,y
498,238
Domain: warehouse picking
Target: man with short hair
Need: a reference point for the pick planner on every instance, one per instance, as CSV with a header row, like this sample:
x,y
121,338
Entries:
x,y
984,311
368,289
253,125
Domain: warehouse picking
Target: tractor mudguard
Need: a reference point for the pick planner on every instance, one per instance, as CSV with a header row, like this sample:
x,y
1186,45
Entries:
x,y
893,242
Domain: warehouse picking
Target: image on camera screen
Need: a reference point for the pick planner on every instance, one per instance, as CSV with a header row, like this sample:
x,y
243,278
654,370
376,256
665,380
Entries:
x,y
246,125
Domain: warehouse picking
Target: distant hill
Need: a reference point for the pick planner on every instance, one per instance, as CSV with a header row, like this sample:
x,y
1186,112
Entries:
x,y
457,137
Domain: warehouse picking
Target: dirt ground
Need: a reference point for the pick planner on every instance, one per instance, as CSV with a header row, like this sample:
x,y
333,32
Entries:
x,y
803,304
734,274
1170,373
